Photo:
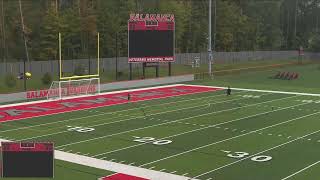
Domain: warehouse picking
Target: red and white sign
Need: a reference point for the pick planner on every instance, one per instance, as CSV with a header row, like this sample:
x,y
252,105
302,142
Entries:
x,y
152,17
152,59
64,92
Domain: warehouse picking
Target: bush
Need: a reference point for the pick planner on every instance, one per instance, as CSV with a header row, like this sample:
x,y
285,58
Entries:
x,y
79,70
11,80
47,78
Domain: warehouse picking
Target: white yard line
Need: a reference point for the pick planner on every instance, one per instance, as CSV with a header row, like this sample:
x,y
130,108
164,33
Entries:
x,y
209,126
298,172
269,149
115,112
228,139
107,123
146,127
260,90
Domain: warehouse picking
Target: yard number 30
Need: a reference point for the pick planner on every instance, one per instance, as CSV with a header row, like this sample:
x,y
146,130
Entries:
x,y
239,155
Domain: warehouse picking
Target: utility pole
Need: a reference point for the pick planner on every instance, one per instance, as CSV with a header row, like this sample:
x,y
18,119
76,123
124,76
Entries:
x,y
3,35
295,19
25,46
56,4
215,26
24,75
117,56
23,32
209,39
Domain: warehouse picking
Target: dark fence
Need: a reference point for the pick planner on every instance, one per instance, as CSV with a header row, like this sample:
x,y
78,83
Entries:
x,y
109,64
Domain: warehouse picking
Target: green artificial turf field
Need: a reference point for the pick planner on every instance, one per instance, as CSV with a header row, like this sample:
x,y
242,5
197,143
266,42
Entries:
x,y
249,135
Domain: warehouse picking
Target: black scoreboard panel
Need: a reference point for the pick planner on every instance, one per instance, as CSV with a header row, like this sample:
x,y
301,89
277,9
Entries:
x,y
27,160
151,43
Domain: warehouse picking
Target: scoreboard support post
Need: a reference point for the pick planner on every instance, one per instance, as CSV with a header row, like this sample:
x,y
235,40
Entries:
x,y
157,70
130,71
144,69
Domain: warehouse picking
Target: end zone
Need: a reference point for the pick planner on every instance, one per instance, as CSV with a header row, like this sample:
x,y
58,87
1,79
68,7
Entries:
x,y
44,108
120,176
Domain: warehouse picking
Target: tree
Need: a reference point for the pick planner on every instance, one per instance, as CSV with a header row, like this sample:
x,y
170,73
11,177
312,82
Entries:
x,y
50,26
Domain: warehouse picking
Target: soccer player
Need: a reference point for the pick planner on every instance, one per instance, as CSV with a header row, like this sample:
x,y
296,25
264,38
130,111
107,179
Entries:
x,y
228,91
129,96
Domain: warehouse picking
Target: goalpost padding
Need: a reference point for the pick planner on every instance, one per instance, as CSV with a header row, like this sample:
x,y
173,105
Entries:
x,y
71,88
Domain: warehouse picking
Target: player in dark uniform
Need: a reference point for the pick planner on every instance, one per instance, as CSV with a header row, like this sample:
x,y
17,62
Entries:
x,y
228,91
129,97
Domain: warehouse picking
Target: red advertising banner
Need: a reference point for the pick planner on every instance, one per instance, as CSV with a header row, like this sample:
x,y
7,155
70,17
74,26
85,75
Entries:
x,y
152,59
64,92
27,146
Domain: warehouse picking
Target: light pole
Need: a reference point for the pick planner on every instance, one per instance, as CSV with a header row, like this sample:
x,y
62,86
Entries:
x,y
209,39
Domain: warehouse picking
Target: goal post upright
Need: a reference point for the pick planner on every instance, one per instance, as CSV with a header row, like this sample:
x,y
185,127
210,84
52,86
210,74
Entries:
x,y
96,75
60,58
88,83
98,54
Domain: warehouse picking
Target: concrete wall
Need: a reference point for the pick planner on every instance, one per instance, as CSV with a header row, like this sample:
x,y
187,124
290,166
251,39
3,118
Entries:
x,y
108,64
14,97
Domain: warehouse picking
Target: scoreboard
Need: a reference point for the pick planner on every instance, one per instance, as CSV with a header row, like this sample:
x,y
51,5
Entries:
x,y
151,38
24,159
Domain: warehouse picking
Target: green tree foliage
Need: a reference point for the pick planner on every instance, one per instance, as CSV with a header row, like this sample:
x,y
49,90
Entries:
x,y
10,80
243,25
50,26
46,79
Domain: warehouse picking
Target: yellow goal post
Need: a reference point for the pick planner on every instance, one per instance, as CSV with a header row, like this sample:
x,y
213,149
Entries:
x,y
96,75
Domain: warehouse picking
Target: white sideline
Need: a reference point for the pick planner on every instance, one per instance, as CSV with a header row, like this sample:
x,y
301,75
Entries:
x,y
117,167
75,97
260,90
113,166
301,170
114,112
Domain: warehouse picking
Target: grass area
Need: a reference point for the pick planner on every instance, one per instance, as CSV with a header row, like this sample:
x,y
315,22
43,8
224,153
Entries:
x,y
35,83
249,135
307,82
67,171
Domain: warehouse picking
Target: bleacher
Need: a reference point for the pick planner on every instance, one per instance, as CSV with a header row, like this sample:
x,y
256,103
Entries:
x,y
286,75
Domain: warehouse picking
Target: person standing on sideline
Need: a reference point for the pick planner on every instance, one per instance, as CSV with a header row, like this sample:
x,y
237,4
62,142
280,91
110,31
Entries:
x,y
129,97
228,91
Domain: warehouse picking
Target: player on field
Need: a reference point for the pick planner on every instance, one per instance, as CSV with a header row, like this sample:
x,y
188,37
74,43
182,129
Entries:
x,y
129,97
228,91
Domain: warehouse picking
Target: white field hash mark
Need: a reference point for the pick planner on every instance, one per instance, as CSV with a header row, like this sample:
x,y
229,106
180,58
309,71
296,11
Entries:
x,y
228,139
198,129
215,125
129,119
115,112
272,148
205,114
